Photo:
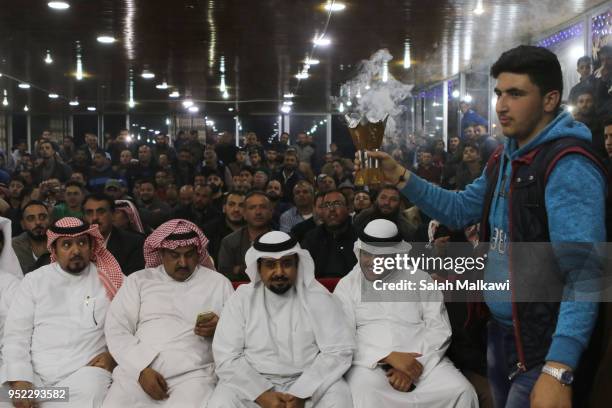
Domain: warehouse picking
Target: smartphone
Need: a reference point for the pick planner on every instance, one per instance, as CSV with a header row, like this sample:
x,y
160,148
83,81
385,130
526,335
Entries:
x,y
205,317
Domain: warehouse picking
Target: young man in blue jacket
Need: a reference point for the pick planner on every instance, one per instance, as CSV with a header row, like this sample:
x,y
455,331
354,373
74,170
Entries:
x,y
533,348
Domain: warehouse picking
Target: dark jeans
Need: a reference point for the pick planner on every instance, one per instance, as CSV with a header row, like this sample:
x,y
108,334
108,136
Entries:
x,y
506,393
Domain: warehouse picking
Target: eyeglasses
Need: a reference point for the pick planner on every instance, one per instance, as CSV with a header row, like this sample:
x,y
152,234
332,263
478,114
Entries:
x,y
333,204
273,263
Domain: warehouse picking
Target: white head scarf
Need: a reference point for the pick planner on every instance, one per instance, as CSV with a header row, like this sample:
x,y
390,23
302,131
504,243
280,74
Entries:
x,y
381,237
8,259
328,321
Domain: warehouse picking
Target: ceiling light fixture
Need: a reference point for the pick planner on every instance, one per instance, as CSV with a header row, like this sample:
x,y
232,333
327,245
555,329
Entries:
x,y
194,109
91,108
25,108
131,103
288,95
230,109
5,100
106,39
146,74
79,66
174,94
163,85
225,95
334,6
407,62
58,5
48,59
302,75
285,109
53,96
311,61
321,41
187,103
24,85
74,102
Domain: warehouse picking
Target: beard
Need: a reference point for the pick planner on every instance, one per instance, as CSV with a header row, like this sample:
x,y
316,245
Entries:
x,y
273,197
280,285
37,234
215,188
76,267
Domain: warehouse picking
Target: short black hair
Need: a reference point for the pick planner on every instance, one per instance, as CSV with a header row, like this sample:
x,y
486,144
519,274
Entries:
x,y
339,192
149,180
233,192
388,187
46,141
541,65
607,121
30,204
100,197
19,179
584,59
74,183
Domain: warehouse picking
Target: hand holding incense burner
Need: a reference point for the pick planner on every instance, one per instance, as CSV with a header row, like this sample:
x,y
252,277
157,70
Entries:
x,y
367,136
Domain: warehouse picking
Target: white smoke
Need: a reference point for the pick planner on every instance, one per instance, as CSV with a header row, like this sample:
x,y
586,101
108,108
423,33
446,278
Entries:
x,y
369,96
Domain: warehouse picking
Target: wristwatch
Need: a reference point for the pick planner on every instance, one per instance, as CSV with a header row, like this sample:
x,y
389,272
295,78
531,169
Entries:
x,y
563,375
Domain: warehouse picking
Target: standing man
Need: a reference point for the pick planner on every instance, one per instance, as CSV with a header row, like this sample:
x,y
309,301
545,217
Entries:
x,y
154,329
59,340
32,243
533,347
125,246
282,340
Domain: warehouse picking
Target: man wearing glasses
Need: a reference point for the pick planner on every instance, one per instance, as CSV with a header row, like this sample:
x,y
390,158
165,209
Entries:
x,y
331,243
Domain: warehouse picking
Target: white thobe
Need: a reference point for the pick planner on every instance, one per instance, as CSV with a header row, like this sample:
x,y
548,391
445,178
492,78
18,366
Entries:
x,y
419,326
151,323
266,341
8,286
54,327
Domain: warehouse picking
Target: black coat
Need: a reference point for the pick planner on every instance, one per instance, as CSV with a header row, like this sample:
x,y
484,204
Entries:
x,y
332,252
126,247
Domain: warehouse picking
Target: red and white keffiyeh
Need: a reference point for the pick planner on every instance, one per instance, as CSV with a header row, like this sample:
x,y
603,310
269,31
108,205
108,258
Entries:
x,y
174,234
130,210
109,270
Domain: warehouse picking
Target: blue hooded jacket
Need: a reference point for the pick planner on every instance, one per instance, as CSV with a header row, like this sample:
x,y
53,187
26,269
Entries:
x,y
575,205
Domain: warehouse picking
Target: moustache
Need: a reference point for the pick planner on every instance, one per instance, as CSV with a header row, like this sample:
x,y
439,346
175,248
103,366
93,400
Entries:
x,y
279,279
76,258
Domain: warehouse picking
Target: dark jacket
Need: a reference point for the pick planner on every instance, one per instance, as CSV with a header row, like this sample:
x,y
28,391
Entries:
x,y
288,183
332,251
198,217
23,250
215,231
59,171
300,230
126,247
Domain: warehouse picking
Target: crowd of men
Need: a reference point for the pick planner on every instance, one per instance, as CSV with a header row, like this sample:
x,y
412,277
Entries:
x,y
118,260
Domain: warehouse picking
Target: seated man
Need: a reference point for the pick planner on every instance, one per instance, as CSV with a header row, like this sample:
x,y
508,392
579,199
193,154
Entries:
x,y
160,326
282,340
399,361
54,331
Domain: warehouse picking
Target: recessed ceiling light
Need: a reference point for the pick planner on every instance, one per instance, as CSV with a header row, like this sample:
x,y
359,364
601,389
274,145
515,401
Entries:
x,y
187,103
131,103
58,5
285,109
48,59
73,102
23,85
53,96
174,94
288,95
163,85
230,109
302,75
311,61
194,109
91,108
146,74
25,108
106,39
288,103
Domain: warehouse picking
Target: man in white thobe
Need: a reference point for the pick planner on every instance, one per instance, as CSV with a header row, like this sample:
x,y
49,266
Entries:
x,y
10,273
399,361
165,358
282,340
54,331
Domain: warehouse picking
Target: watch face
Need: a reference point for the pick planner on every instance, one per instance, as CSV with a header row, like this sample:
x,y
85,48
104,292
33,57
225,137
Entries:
x,y
567,377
